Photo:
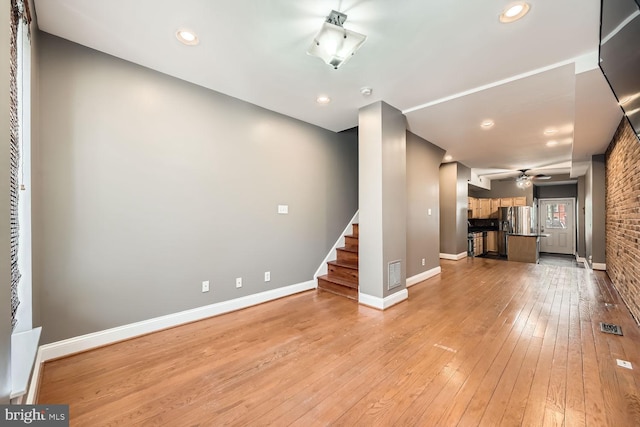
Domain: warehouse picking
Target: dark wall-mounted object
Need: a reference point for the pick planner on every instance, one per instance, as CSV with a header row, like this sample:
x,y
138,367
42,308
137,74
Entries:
x,y
620,54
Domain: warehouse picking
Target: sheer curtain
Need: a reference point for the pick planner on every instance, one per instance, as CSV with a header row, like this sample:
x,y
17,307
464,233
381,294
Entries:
x,y
20,15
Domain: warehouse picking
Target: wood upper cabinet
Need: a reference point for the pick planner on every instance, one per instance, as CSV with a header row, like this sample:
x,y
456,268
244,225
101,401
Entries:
x,y
506,202
488,208
485,208
519,201
495,205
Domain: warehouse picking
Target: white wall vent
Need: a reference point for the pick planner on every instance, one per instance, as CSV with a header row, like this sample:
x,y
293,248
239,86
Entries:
x,y
395,274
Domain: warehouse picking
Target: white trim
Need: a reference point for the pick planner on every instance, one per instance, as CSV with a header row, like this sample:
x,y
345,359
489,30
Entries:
x,y
24,347
380,303
120,333
620,27
599,266
322,269
453,257
584,262
498,83
414,280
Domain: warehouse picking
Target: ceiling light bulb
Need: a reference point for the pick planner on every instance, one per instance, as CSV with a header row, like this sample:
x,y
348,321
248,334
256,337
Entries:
x,y
487,124
552,143
514,11
187,37
550,131
322,99
447,158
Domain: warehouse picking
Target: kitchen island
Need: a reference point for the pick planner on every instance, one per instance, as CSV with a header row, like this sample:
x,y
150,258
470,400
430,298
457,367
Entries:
x,y
524,247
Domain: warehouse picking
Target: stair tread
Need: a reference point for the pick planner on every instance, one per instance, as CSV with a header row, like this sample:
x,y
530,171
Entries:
x,y
355,236
353,266
339,281
348,249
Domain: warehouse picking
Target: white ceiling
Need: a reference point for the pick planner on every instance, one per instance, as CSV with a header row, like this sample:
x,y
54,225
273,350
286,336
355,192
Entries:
x,y
446,65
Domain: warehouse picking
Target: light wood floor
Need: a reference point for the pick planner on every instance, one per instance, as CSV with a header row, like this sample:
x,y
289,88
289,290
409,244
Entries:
x,y
487,342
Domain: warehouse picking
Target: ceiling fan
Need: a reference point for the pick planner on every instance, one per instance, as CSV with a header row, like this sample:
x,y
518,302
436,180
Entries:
x,y
524,179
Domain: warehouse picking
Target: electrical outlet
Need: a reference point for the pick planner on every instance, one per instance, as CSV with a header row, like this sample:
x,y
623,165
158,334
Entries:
x,y
238,282
422,261
205,286
267,276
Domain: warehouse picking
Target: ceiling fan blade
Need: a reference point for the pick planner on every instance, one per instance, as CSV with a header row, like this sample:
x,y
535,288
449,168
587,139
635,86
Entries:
x,y
541,176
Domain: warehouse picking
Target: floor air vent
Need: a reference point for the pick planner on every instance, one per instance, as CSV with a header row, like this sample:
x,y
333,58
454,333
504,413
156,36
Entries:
x,y
610,328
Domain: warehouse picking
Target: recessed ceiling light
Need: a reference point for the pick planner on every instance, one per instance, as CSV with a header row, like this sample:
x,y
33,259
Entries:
x,y
552,143
448,158
187,37
323,99
550,131
486,124
514,11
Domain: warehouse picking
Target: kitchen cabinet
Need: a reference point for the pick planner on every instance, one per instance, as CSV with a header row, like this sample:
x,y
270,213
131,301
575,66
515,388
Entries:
x,y
492,241
495,207
519,201
485,208
478,246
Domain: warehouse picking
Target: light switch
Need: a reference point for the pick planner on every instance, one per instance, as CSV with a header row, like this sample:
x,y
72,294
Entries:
x,y
283,209
429,212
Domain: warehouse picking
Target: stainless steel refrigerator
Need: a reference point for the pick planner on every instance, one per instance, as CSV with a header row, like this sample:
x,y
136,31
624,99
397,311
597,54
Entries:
x,y
514,220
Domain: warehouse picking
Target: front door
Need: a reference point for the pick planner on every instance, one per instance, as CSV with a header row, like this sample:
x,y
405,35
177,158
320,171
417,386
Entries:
x,y
557,219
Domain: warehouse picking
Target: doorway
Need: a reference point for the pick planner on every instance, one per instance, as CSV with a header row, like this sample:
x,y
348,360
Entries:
x,y
557,220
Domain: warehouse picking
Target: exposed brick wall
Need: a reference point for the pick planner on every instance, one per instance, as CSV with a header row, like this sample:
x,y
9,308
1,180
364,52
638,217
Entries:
x,y
623,215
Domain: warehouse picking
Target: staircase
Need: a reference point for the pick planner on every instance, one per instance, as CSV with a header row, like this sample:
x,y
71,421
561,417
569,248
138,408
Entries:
x,y
342,276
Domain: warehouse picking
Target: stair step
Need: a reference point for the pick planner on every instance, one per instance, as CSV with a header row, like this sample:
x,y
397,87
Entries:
x,y
338,287
343,270
339,281
351,241
355,228
347,255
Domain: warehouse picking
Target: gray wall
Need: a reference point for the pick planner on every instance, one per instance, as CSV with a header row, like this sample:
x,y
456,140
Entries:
x,y
448,207
580,221
382,197
454,204
556,191
598,193
595,245
150,185
5,267
423,193
588,214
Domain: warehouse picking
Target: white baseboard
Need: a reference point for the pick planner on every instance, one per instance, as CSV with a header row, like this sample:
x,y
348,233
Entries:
x,y
109,336
580,259
454,257
413,280
322,269
383,303
599,266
